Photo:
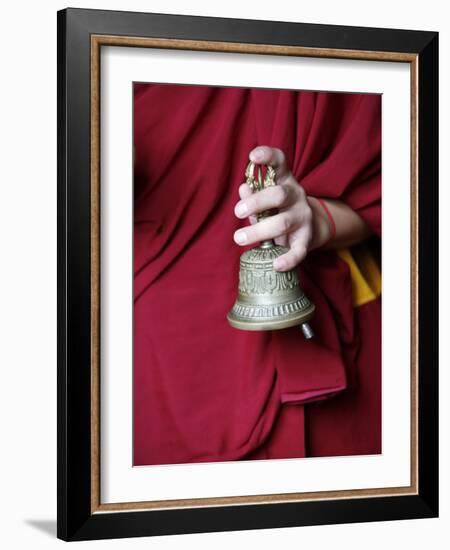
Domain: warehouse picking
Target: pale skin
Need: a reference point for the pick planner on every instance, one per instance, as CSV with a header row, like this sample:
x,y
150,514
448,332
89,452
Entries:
x,y
301,222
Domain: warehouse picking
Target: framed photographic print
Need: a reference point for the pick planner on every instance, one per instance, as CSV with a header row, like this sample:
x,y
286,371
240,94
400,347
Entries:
x,y
247,270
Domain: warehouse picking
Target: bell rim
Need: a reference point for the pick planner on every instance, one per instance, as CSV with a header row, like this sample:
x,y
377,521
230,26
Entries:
x,y
274,324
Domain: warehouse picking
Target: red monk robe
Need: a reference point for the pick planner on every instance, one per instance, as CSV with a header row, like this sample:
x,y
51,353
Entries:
x,y
204,391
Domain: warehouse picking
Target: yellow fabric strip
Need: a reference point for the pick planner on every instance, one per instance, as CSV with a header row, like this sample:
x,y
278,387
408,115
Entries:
x,y
365,273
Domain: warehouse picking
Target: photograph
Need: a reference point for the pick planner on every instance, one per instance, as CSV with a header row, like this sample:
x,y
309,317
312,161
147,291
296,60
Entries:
x,y
224,281
247,274
207,388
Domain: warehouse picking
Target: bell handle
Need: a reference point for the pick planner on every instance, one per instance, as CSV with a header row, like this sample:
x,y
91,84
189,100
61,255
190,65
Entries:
x,y
259,184
268,243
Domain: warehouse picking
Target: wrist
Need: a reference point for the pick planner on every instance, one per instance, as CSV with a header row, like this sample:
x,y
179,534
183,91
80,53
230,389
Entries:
x,y
323,227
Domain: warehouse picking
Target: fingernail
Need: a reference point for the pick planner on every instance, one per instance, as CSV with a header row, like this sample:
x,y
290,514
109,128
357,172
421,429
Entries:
x,y
257,154
240,237
241,209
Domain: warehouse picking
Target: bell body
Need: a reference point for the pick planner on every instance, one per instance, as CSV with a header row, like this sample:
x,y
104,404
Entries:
x,y
268,299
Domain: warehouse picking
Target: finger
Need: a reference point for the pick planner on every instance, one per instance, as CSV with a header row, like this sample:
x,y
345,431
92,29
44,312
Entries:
x,y
263,154
279,196
302,236
299,243
291,259
269,228
244,191
282,240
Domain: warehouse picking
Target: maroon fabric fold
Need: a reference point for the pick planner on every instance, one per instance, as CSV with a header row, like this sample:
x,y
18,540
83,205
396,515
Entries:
x,y
204,391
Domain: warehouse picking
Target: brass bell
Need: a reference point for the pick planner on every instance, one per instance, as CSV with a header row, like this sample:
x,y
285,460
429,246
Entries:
x,y
268,299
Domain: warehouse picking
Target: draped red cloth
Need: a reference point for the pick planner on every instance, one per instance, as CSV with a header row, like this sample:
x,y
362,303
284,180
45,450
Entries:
x,y
204,391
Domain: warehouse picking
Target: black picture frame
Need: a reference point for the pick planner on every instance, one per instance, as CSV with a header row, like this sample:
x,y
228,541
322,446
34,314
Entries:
x,y
76,518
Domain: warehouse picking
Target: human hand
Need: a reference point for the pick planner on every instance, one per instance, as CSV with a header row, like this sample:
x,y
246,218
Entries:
x,y
294,225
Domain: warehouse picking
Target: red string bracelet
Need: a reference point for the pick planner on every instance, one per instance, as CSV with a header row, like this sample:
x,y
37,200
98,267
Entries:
x,y
331,221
